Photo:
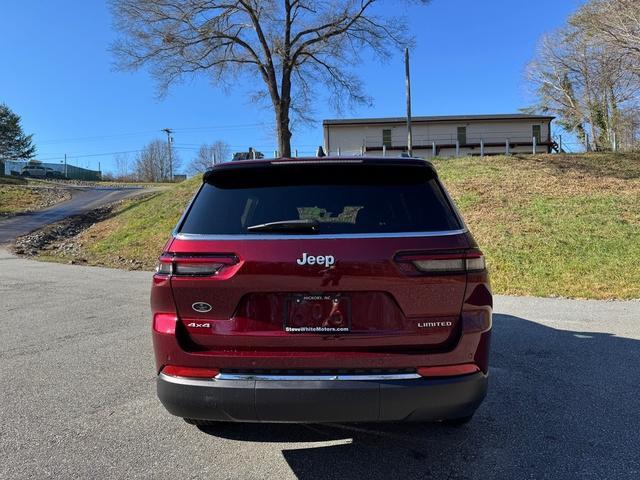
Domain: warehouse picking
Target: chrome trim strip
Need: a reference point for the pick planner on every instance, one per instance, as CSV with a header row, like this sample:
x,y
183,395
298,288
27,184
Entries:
x,y
336,236
247,377
186,381
298,378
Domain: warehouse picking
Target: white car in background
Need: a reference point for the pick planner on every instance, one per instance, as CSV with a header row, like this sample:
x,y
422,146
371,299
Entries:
x,y
36,171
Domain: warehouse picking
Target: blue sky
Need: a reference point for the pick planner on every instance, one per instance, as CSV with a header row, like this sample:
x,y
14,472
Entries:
x,y
57,74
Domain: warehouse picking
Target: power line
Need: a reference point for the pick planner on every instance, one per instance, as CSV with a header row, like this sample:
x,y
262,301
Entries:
x,y
95,137
130,134
61,156
104,154
223,127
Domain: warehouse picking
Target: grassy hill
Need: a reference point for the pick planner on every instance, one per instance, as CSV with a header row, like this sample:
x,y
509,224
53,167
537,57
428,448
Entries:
x,y
550,225
566,225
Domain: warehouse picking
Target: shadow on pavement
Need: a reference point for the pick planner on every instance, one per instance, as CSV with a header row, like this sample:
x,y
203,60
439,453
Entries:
x,y
561,404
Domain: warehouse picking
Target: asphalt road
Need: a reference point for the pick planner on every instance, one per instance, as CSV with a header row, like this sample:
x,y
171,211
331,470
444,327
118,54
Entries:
x,y
77,397
82,200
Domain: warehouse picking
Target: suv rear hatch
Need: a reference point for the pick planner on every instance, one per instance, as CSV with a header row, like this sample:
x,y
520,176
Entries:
x,y
283,256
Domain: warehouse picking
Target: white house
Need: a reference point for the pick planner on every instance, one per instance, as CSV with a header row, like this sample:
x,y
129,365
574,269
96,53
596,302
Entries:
x,y
446,136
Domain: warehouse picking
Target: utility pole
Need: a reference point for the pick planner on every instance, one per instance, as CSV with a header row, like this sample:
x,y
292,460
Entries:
x,y
65,165
408,85
169,142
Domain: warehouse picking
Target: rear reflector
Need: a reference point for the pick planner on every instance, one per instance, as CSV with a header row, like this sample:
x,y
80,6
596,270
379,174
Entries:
x,y
193,266
190,372
165,323
441,263
448,370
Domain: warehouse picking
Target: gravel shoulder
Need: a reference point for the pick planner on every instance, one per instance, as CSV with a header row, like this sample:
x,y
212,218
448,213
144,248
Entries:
x,y
78,397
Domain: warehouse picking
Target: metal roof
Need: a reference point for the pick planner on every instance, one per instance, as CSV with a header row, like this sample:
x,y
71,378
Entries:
x,y
436,118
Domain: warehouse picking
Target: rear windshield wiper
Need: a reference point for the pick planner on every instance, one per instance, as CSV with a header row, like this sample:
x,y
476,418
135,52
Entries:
x,y
287,226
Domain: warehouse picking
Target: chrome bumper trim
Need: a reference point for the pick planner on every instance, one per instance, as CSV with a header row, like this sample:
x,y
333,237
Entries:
x,y
279,378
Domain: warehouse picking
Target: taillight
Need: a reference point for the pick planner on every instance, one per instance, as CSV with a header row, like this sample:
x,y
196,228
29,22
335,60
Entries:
x,y
165,264
193,265
190,372
441,263
475,261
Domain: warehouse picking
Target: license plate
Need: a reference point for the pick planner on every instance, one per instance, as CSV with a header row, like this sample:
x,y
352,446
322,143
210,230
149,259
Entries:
x,y
318,313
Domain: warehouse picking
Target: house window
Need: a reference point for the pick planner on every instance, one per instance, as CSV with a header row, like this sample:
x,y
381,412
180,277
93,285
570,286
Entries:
x,y
386,138
537,134
462,135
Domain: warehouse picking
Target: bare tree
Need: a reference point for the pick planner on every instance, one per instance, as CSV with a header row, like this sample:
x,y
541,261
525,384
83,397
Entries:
x,y
123,166
586,83
292,46
152,163
615,22
209,155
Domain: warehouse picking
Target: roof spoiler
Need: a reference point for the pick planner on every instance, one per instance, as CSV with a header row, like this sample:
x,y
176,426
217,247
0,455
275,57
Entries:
x,y
314,161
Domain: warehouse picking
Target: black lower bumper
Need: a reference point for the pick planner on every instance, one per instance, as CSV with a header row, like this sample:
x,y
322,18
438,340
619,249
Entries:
x,y
315,401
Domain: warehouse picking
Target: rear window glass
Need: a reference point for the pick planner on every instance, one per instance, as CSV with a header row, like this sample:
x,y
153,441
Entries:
x,y
341,198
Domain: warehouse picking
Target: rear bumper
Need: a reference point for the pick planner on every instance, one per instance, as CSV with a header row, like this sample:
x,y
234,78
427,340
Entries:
x,y
311,401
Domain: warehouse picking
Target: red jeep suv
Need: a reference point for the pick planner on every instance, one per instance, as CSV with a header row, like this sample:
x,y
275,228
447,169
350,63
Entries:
x,y
321,290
